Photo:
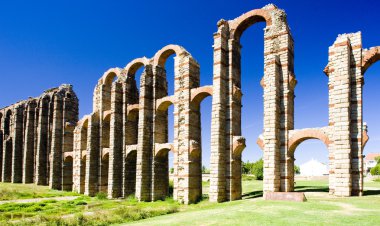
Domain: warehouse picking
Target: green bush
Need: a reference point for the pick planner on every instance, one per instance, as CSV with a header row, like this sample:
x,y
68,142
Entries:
x,y
101,195
375,170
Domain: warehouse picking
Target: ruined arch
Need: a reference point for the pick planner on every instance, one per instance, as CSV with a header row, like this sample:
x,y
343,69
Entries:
x,y
296,137
163,54
110,75
199,94
240,24
370,57
301,135
134,65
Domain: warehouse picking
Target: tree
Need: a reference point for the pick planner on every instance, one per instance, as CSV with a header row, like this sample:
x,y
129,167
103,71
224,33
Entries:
x,y
171,170
297,169
258,169
375,170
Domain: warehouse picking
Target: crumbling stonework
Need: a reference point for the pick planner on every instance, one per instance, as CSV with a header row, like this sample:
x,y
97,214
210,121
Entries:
x,y
35,136
122,147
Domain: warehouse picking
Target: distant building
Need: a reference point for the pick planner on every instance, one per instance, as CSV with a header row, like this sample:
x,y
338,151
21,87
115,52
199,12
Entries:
x,y
370,161
313,168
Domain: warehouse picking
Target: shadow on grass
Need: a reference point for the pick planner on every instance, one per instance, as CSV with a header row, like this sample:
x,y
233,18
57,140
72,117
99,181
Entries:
x,y
371,192
252,195
312,189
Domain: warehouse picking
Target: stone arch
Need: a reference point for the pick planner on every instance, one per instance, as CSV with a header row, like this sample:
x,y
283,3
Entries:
x,y
134,65
370,57
110,75
163,54
164,103
300,136
199,94
296,137
8,122
240,24
67,173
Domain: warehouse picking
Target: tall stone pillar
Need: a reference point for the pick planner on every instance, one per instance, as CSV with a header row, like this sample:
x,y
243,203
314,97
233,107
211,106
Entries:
x,y
55,179
28,162
340,113
115,173
42,142
17,144
272,142
218,119
145,131
160,173
92,156
7,160
188,170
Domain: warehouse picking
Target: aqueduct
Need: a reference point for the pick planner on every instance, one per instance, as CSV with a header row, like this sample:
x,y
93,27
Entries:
x,y
122,147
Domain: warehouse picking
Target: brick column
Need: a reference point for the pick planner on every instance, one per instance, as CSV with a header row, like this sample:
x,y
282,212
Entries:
x,y
233,120
218,121
272,142
42,142
92,156
188,170
17,144
145,131
116,142
28,163
55,179
340,114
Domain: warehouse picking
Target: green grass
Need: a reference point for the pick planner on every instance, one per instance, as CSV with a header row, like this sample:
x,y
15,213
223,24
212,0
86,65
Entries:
x,y
320,209
10,191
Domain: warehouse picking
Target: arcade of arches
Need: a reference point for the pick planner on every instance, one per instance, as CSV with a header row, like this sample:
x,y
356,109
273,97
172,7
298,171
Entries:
x,y
122,147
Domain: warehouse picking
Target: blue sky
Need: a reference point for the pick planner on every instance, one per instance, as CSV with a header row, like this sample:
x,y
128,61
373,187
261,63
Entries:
x,y
46,43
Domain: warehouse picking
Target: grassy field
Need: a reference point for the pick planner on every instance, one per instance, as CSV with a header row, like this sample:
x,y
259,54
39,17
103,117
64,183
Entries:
x,y
10,191
320,209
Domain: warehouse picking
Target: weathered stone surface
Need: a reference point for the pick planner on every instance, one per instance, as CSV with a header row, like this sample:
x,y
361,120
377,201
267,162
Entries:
x,y
285,196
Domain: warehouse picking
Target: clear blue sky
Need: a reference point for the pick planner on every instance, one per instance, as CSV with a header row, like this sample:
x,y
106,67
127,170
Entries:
x,y
44,44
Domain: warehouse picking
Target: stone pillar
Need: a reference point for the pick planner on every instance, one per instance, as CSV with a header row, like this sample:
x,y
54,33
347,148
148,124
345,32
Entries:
x,y
116,142
55,179
42,142
218,120
28,162
145,131
160,173
340,114
356,124
130,131
188,170
92,156
233,178
17,145
272,142
7,160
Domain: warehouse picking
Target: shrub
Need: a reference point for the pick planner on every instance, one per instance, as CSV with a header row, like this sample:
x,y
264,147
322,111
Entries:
x,y
101,195
375,170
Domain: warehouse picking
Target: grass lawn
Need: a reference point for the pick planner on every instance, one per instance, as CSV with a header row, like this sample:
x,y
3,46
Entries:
x,y
320,209
10,191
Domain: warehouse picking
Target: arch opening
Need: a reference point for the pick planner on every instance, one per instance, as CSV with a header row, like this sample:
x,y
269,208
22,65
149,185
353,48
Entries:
x,y
83,163
130,173
103,185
